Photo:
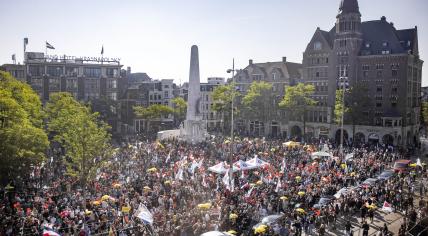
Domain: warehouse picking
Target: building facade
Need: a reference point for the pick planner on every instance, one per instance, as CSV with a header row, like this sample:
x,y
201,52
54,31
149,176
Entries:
x,y
376,55
279,74
16,70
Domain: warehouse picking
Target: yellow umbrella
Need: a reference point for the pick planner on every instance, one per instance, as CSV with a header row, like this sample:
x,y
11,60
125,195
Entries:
x,y
259,182
147,188
233,232
233,216
105,198
343,165
298,178
260,229
96,203
284,198
204,206
226,141
300,210
413,165
301,193
87,212
353,174
167,182
152,169
117,185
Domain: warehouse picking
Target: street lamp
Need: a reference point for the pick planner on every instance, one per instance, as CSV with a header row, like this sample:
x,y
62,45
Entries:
x,y
231,118
344,84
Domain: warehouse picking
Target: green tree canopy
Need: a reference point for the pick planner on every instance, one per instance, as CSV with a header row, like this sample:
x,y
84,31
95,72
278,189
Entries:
x,y
85,138
222,101
180,107
22,138
297,100
356,103
153,111
259,101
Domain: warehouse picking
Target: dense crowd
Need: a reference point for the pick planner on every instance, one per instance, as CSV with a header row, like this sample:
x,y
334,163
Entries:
x,y
172,180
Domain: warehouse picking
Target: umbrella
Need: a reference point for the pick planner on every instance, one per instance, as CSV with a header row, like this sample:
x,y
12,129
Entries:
x,y
214,233
117,185
260,229
291,144
301,193
153,169
105,198
167,182
204,206
284,198
259,182
233,216
96,203
256,163
300,210
413,165
233,232
298,178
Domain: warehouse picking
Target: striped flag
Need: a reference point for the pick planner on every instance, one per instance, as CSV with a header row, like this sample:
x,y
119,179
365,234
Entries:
x,y
48,45
144,214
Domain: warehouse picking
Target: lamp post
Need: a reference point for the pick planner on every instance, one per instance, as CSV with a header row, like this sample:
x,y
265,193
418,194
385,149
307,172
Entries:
x,y
231,119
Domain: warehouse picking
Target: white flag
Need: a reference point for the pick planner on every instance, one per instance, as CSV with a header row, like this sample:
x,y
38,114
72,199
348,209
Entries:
x,y
248,194
226,180
418,162
387,207
278,185
144,214
179,174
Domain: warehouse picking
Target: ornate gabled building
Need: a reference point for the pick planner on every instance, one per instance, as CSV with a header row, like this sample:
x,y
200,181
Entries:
x,y
280,74
376,55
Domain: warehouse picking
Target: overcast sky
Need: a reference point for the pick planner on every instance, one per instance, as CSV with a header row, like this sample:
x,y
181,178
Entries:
x,y
155,36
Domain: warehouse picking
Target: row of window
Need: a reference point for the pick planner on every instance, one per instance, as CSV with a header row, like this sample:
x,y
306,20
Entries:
x,y
70,71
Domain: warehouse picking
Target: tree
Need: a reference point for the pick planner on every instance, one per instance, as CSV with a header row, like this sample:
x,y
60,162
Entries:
x,y
259,101
23,142
222,101
356,103
424,114
152,112
180,106
297,100
80,131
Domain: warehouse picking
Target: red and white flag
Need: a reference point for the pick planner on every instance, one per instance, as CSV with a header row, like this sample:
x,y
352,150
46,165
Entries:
x,y
387,207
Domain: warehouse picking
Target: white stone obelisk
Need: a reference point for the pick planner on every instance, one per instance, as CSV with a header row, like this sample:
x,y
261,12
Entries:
x,y
194,129
194,86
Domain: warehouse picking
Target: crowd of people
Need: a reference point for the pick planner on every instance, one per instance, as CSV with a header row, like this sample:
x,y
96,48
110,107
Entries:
x,y
172,180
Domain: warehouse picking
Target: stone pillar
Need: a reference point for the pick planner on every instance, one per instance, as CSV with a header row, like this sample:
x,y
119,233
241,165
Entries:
x,y
194,86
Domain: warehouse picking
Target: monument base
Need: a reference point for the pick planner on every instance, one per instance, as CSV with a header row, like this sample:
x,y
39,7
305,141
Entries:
x,y
193,131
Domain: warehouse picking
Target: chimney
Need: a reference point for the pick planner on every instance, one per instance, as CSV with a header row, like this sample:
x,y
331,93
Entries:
x,y
383,18
392,24
128,70
284,59
250,61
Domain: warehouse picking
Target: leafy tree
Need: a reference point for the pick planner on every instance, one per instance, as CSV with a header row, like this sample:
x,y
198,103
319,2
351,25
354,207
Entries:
x,y
85,138
424,113
180,106
356,103
222,101
259,101
152,112
23,141
297,100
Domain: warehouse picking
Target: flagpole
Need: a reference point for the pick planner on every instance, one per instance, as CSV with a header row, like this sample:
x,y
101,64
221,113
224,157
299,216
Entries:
x,y
46,48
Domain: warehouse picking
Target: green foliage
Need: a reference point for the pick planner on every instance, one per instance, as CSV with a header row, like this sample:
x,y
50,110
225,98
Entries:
x,y
259,101
356,103
424,113
153,111
85,138
22,138
297,99
180,106
222,101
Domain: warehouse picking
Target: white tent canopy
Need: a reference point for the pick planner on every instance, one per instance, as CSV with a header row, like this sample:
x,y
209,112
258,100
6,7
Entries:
x,y
321,154
215,233
242,165
256,163
220,168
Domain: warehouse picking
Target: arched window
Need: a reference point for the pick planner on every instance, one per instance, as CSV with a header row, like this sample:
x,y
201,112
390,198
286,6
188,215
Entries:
x,y
317,45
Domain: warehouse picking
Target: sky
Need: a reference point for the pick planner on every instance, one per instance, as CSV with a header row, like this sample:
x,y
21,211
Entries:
x,y
155,36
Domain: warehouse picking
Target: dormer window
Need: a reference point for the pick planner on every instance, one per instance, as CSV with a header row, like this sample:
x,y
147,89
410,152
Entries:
x,y
367,45
317,46
385,44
